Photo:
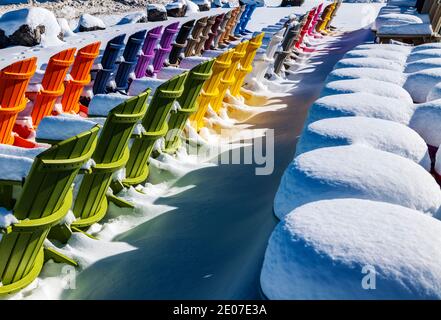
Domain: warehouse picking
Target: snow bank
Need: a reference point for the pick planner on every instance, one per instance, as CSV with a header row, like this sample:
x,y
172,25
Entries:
x,y
435,93
361,104
376,87
356,172
14,168
424,54
62,127
423,64
378,53
325,249
420,83
399,48
376,133
102,104
395,77
369,63
426,120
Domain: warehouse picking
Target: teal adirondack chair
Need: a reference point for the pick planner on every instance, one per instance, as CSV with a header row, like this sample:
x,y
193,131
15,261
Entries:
x,y
192,87
155,125
45,200
111,154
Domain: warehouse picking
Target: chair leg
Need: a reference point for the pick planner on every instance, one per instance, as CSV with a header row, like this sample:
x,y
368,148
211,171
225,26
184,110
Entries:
x,y
50,253
120,202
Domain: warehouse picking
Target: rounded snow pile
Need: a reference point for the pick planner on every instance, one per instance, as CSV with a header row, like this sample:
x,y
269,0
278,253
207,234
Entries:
x,y
356,171
376,133
404,49
361,104
426,121
339,249
376,87
420,83
377,54
423,64
377,63
395,77
424,54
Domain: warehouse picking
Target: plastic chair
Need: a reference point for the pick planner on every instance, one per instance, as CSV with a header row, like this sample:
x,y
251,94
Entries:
x,y
108,60
188,105
215,29
79,77
165,48
195,36
222,28
155,125
204,36
148,51
52,84
45,200
180,43
14,80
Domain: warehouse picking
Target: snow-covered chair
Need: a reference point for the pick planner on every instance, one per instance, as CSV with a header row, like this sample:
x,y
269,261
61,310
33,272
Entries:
x,y
376,133
337,249
52,85
110,155
195,36
199,47
79,77
14,80
222,28
210,89
108,62
155,127
163,50
130,55
187,104
215,29
45,200
148,51
356,171
180,43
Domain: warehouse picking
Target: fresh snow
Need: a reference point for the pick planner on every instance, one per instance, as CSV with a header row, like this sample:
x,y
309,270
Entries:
x,y
62,127
6,219
102,104
14,168
356,171
328,249
426,121
376,133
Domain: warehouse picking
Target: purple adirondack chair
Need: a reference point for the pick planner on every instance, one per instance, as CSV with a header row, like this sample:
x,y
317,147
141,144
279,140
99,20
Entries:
x,y
148,51
164,50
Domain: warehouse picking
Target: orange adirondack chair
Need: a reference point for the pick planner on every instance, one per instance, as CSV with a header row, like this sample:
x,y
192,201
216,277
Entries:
x,y
80,77
14,80
52,84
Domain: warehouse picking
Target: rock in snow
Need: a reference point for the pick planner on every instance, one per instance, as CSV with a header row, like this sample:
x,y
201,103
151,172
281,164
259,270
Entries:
x,y
156,12
90,23
176,9
356,171
29,27
336,249
136,17
376,133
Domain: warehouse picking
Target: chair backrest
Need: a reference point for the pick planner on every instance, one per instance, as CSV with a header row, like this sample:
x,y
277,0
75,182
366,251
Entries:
x,y
215,28
14,80
180,42
133,45
162,101
204,35
168,34
428,4
52,175
45,200
195,36
151,39
436,19
84,61
112,51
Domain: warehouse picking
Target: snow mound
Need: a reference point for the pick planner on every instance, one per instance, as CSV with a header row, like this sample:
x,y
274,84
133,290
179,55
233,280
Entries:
x,y
423,64
435,93
377,63
426,120
14,168
325,249
420,83
367,73
413,29
378,53
376,133
356,172
398,19
102,104
62,127
22,152
400,48
424,54
376,87
361,104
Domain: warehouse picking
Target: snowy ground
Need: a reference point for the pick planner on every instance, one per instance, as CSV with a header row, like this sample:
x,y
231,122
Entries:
x,y
199,229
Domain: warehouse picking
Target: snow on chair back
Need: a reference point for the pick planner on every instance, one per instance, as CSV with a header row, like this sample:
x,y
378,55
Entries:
x,y
214,31
246,64
164,49
155,125
195,36
52,85
187,102
287,43
14,80
204,36
148,51
108,62
130,54
221,30
180,43
79,77
210,89
228,77
111,154
45,200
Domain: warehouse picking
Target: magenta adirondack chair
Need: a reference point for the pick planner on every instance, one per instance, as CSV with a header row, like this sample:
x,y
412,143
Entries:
x,y
316,19
164,50
148,51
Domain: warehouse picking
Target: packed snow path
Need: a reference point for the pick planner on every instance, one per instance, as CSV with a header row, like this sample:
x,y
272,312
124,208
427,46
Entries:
x,y
212,245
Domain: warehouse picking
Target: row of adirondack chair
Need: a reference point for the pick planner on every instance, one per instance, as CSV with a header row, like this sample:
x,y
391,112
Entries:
x,y
411,33
46,191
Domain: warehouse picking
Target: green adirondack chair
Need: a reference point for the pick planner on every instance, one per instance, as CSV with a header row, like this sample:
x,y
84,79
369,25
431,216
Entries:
x,y
192,87
155,125
111,154
44,201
